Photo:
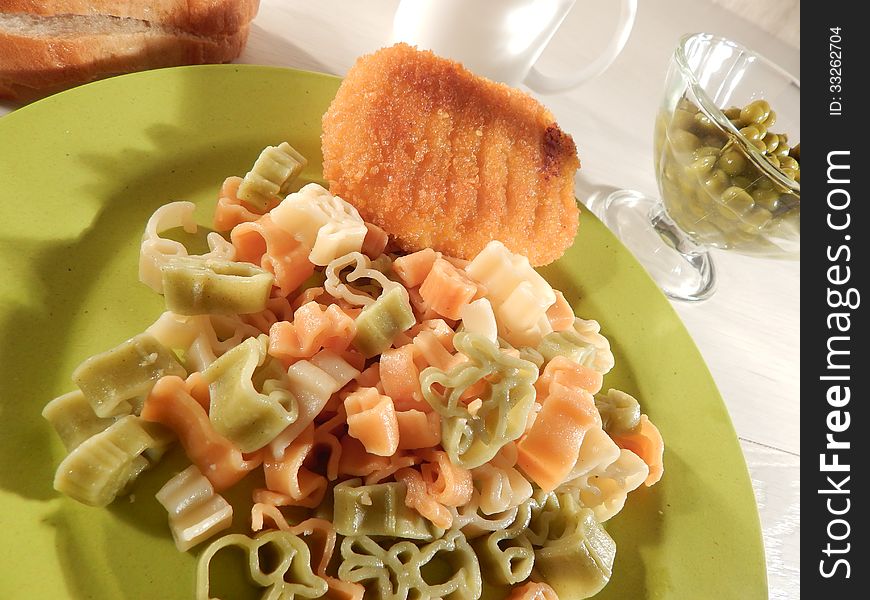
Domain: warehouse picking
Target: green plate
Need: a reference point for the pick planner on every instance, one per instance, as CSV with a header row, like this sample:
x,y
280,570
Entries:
x,y
81,172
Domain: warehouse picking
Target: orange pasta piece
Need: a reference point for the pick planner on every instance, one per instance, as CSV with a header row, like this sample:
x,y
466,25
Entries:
x,y
277,309
533,591
264,243
648,444
446,289
566,372
440,328
325,437
371,418
421,308
448,484
375,241
413,268
433,353
560,314
312,294
288,476
396,462
418,498
400,378
313,329
221,461
354,359
343,590
418,429
549,450
370,377
197,387
356,462
231,210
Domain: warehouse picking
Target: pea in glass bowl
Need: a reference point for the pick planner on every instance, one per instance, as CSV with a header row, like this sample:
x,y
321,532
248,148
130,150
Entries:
x,y
727,163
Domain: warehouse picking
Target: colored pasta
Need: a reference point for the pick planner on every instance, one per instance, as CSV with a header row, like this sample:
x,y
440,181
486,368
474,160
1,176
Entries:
x,y
412,426
195,512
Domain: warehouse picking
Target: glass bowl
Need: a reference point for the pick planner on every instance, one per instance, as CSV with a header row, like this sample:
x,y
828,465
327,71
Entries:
x,y
727,171
728,181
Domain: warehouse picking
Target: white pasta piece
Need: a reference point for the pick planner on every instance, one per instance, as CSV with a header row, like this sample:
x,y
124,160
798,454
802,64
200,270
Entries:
x,y
500,488
589,331
325,223
474,523
196,512
597,450
202,338
604,488
335,366
362,270
478,317
520,297
312,382
156,251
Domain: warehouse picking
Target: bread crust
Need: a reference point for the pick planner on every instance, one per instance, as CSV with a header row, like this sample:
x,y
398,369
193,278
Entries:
x,y
35,67
201,17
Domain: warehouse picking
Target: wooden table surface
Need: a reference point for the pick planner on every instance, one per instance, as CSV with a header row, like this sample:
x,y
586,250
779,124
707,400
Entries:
x,y
749,332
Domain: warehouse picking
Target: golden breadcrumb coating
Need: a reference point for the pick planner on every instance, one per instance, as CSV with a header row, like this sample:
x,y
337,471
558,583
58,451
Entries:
x,y
442,158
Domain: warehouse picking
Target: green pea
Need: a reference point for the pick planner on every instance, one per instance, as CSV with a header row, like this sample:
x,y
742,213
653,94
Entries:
x,y
702,165
704,124
757,218
787,162
732,162
797,176
771,140
732,113
751,133
715,141
770,121
774,160
741,181
683,119
705,151
790,173
737,199
686,104
683,141
760,145
716,181
755,112
767,199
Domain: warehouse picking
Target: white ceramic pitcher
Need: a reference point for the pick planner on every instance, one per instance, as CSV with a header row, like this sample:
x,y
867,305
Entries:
x,y
502,39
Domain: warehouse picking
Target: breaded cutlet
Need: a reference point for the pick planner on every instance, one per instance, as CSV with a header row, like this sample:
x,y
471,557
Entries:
x,y
442,158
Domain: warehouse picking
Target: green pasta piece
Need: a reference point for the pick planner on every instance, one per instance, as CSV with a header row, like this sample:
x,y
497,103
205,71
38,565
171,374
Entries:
x,y
620,412
74,419
162,438
582,343
270,177
112,379
104,465
247,417
568,344
506,555
378,510
379,323
446,568
472,440
575,554
288,575
195,285
579,565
